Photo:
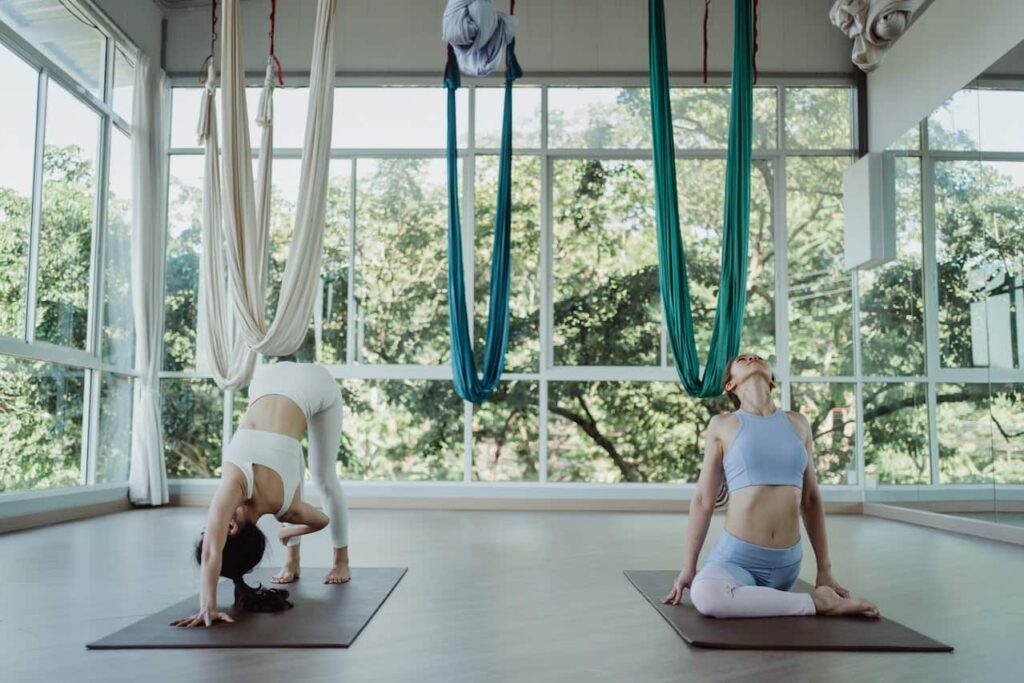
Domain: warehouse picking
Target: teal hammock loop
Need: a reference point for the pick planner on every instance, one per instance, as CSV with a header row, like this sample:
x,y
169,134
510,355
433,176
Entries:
x,y
675,291
468,384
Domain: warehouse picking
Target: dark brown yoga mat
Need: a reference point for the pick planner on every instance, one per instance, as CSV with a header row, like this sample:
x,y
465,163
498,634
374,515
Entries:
x,y
323,616
779,633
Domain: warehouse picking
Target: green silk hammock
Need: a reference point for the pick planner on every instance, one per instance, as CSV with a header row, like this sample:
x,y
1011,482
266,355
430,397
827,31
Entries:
x,y
468,384
675,292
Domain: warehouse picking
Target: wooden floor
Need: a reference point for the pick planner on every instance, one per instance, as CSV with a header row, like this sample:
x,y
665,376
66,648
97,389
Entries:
x,y
499,596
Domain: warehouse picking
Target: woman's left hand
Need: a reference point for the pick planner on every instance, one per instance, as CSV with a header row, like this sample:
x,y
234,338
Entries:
x,y
825,579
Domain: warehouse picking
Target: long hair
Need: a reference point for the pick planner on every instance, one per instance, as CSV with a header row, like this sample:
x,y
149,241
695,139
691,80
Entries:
x,y
242,552
722,499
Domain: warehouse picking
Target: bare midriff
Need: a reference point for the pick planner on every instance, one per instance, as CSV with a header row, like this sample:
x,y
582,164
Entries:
x,y
275,413
765,515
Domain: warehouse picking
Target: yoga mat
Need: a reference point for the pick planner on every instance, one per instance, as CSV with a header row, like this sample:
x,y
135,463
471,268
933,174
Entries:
x,y
323,616
779,633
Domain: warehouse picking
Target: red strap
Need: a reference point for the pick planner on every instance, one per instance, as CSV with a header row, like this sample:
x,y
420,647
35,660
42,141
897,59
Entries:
x,y
213,26
273,27
512,8
755,41
707,10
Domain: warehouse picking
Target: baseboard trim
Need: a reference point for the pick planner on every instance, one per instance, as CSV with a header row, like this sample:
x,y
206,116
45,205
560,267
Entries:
x,y
958,525
57,516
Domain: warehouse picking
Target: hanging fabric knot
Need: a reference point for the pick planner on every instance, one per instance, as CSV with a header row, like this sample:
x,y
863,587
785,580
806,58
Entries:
x,y
265,109
478,34
273,30
206,115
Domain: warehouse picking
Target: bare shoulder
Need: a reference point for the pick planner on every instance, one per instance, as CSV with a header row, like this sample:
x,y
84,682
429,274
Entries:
x,y
799,421
722,424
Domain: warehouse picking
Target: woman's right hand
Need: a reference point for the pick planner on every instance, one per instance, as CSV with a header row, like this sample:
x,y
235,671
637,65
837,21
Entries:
x,y
204,617
683,582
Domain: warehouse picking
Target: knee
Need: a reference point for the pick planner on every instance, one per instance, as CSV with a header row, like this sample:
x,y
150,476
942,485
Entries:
x,y
708,597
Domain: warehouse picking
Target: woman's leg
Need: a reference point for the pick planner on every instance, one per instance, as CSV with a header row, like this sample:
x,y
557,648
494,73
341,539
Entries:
x,y
717,592
324,432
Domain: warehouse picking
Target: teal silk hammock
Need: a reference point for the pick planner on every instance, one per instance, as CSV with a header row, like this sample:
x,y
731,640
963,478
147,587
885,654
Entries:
x,y
468,384
675,292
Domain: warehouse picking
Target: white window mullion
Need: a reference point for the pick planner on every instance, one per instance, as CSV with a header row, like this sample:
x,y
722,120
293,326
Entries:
x,y
781,237
931,300
350,327
37,208
545,289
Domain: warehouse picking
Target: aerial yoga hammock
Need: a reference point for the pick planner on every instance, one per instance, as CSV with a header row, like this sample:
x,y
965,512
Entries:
x,y
236,216
476,34
675,292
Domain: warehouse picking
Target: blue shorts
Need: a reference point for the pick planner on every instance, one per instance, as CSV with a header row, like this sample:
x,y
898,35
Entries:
x,y
757,565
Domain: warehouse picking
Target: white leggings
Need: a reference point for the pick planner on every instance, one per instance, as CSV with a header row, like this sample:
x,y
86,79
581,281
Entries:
x,y
715,592
324,432
316,393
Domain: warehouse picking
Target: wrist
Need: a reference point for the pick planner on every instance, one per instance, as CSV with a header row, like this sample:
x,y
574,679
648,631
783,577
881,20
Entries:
x,y
825,568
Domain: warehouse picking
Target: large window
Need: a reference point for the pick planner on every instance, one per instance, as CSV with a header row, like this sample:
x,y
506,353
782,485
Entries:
x,y
66,326
589,392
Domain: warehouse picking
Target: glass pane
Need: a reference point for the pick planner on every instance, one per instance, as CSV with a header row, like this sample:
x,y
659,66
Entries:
x,y
389,117
193,425
1008,420
700,183
956,124
605,261
980,260
700,117
610,432
118,320
40,425
819,118
184,236
401,261
909,141
490,105
506,430
65,239
115,439
891,298
63,33
820,296
1000,120
17,140
524,331
965,433
124,85
896,434
185,103
334,269
401,430
599,118
832,411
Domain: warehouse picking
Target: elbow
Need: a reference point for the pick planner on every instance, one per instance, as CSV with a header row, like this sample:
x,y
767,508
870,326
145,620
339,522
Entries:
x,y
701,503
810,502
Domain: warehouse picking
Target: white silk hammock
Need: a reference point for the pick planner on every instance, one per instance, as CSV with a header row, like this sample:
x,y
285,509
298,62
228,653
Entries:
x,y
236,213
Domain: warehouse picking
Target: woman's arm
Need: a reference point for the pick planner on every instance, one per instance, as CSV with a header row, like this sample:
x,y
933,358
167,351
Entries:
x,y
230,494
813,512
305,519
701,508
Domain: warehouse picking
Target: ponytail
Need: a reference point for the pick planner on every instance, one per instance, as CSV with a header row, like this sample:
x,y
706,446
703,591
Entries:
x,y
260,599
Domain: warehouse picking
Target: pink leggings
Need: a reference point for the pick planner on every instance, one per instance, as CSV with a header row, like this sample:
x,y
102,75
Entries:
x,y
715,592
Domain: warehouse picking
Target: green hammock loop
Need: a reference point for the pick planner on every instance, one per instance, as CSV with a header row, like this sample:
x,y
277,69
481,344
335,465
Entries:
x,y
468,384
675,292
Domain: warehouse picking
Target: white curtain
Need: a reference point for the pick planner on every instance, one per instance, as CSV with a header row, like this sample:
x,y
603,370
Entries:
x,y
148,475
245,229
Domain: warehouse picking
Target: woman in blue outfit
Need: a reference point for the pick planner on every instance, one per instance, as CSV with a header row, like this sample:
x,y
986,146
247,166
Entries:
x,y
764,455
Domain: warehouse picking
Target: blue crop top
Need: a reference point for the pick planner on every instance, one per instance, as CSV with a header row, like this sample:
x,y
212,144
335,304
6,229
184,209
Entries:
x,y
767,451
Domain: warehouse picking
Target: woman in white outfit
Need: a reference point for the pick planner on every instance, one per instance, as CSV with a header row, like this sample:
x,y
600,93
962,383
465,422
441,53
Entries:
x,y
262,474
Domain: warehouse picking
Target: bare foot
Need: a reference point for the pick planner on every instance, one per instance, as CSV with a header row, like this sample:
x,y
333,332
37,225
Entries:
x,y
828,602
339,573
289,573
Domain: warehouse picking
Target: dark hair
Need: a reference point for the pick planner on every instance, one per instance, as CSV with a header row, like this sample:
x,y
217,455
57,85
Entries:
x,y
727,377
242,552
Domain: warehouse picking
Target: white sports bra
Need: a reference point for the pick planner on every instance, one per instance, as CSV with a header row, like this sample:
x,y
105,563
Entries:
x,y
279,452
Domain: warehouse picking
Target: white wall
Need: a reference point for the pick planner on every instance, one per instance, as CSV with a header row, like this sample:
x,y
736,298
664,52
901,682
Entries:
x,y
950,44
139,19
554,36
